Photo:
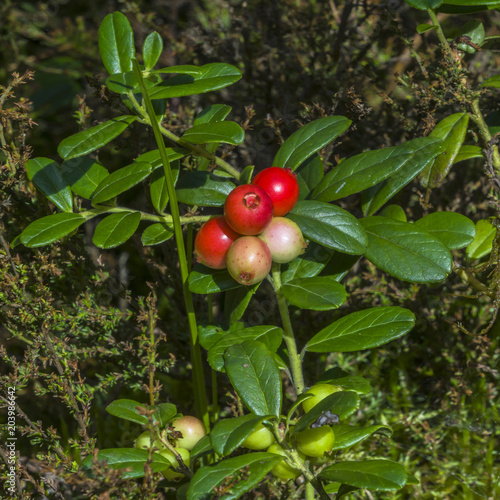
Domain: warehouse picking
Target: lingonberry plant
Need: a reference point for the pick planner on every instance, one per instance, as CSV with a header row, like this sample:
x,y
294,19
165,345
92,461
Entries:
x,y
261,238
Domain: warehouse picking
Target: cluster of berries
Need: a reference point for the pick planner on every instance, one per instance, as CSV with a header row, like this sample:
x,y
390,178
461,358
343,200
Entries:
x,y
253,233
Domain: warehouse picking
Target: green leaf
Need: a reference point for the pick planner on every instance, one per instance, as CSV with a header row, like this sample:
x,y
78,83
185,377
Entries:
x,y
361,172
254,465
377,475
424,4
203,189
447,8
339,265
394,212
330,226
492,82
209,335
50,228
84,174
309,139
318,293
452,229
154,158
116,43
246,174
202,448
156,234
422,28
405,251
270,336
46,175
204,280
309,175
131,459
152,49
236,302
474,31
127,409
93,138
468,153
213,76
164,413
212,114
472,3
226,132
228,434
307,265
452,131
158,186
120,181
349,435
424,150
336,376
483,241
363,330
254,375
116,229
342,403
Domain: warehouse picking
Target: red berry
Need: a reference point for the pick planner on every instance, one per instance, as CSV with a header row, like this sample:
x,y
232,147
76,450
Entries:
x,y
284,239
248,209
281,185
249,260
213,241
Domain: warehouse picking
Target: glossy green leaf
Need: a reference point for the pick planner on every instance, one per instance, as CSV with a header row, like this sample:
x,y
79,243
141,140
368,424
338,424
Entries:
x,y
163,413
423,28
93,138
50,228
212,114
158,186
394,212
131,459
424,150
349,435
468,153
213,76
309,175
411,479
201,449
309,139
226,132
483,241
254,375
319,293
203,189
270,336
377,475
120,181
405,251
236,302
472,3
254,465
307,265
363,330
330,226
116,43
116,229
474,31
154,158
152,49
452,131
492,82
342,403
47,176
156,234
246,174
228,434
134,411
336,376
204,280
209,335
84,174
454,230
424,4
360,172
339,265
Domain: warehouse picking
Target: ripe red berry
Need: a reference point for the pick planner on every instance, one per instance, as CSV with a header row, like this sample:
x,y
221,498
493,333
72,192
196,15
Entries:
x,y
284,239
281,185
213,241
248,209
249,260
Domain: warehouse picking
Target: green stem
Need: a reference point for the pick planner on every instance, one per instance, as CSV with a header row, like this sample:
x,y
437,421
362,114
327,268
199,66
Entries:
x,y
484,131
440,34
198,377
295,361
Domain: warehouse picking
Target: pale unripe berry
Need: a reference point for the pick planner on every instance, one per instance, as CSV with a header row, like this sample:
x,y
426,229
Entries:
x,y
192,430
284,239
248,260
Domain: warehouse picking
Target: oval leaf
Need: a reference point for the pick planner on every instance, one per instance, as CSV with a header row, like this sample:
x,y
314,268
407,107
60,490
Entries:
x,y
51,228
204,280
84,174
93,138
116,229
330,226
120,181
46,175
255,377
203,189
349,435
363,330
309,139
116,43
127,409
156,234
226,132
307,265
151,50
483,241
378,475
212,114
454,230
424,4
319,293
405,251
